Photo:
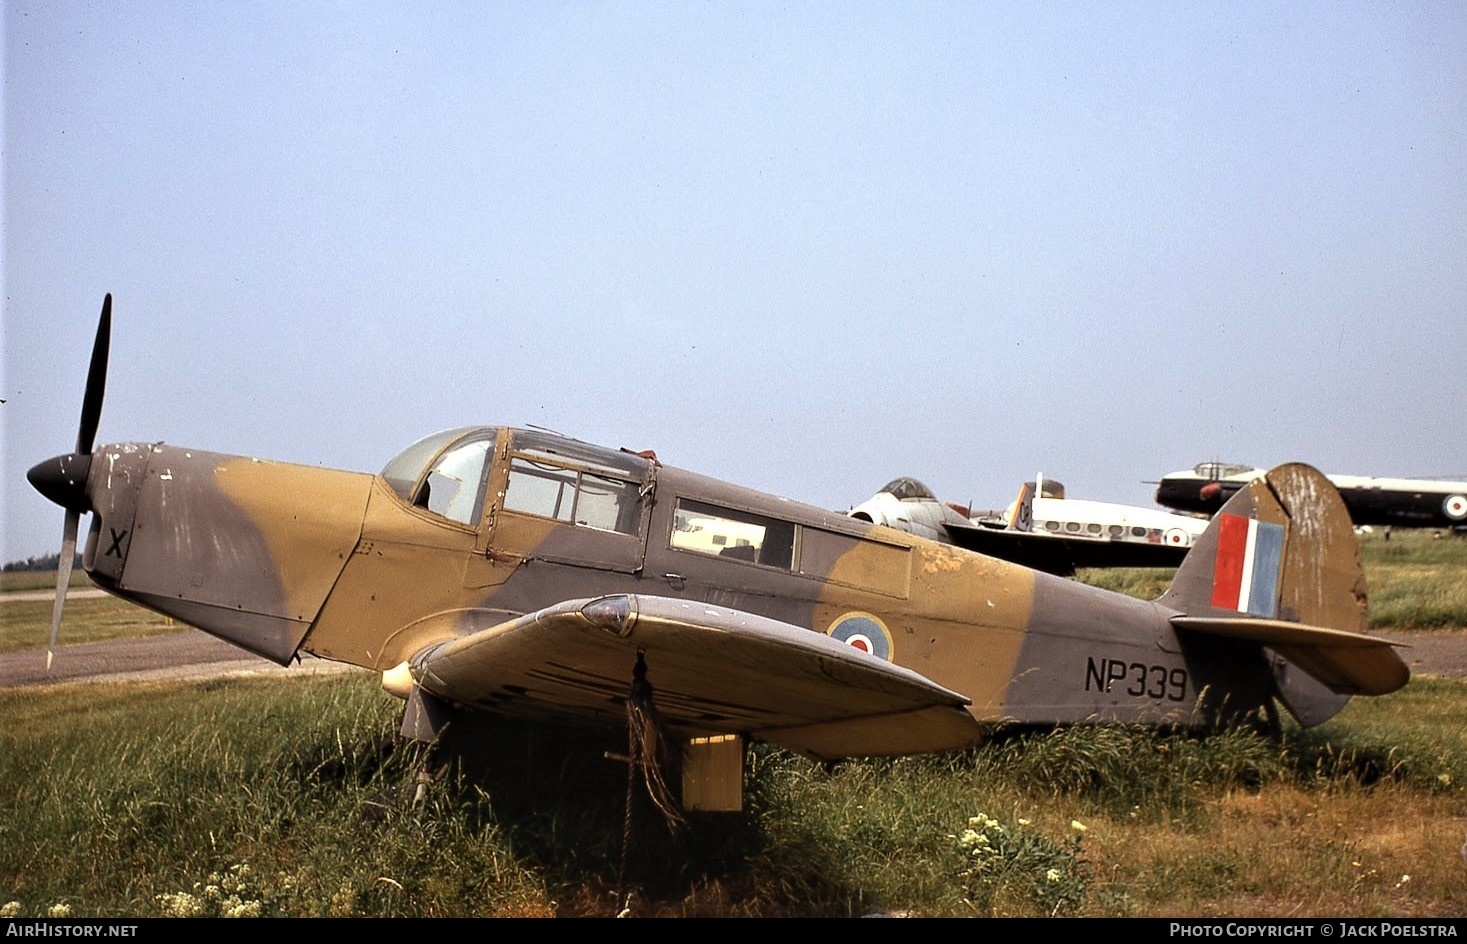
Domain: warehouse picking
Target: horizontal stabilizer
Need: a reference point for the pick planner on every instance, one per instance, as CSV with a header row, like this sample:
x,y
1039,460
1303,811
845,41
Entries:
x,y
714,670
1345,662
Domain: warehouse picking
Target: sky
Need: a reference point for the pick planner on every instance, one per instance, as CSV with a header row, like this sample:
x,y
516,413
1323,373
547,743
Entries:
x,y
806,247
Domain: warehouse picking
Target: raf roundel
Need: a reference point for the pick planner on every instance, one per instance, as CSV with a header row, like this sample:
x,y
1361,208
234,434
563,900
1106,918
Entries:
x,y
1455,506
865,632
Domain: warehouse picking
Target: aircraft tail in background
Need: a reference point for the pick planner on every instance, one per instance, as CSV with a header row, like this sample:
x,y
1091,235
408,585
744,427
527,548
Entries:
x,y
1020,513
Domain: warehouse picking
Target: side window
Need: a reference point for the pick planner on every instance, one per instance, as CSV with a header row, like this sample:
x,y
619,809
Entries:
x,y
740,535
606,503
539,489
454,486
583,498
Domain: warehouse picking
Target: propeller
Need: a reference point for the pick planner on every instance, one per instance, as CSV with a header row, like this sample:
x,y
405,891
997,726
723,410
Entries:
x,y
64,478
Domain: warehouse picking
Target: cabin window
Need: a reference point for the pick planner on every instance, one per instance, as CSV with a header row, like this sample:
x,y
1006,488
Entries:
x,y
572,495
736,535
1072,526
1051,525
1093,528
1137,531
1116,531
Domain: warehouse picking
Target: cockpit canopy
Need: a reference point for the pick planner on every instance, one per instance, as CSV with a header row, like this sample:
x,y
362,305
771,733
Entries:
x,y
444,472
908,489
1221,470
550,476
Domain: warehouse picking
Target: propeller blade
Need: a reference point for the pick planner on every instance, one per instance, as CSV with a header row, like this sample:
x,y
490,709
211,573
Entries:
x,y
63,580
91,413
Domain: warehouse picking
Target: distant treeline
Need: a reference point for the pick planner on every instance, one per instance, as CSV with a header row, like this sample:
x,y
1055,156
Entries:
x,y
44,562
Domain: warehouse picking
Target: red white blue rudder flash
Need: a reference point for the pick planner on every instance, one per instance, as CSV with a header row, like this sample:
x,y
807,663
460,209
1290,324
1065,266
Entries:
x,y
1250,559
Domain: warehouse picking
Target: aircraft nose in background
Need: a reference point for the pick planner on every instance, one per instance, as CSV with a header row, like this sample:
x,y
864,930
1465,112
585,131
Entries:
x,y
63,479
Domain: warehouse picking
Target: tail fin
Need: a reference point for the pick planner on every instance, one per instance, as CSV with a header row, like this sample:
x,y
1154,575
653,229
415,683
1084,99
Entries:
x,y
1020,515
1279,565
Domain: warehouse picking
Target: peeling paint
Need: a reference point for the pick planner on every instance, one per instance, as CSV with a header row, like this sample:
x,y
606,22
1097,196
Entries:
x,y
938,560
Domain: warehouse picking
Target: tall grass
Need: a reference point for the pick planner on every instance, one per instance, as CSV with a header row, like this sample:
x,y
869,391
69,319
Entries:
x,y
1144,583
151,801
294,797
1416,579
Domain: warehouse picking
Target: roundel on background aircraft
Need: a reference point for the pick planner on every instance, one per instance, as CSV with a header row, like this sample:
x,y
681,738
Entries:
x,y
1177,537
1455,506
864,632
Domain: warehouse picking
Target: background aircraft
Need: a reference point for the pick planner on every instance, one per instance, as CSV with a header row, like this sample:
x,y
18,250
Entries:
x,y
1041,528
1399,503
521,574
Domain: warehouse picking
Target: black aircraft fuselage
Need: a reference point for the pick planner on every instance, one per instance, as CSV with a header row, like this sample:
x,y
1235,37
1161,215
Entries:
x,y
1400,503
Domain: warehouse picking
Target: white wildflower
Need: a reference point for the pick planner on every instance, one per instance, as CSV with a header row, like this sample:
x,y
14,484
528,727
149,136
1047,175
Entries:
x,y
241,909
181,905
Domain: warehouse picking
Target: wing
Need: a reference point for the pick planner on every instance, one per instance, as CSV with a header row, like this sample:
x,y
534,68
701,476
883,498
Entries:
x,y
1061,555
1344,662
713,671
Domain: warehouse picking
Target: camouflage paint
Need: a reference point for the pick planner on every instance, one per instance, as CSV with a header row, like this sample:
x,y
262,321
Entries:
x,y
276,556
200,536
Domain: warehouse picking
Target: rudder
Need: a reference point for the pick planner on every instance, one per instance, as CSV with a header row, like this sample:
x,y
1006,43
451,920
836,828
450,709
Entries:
x,y
1283,547
1283,551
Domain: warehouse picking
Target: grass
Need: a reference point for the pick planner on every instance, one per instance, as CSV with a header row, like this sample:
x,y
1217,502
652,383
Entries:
x,y
1144,583
21,580
293,798
26,624
1416,580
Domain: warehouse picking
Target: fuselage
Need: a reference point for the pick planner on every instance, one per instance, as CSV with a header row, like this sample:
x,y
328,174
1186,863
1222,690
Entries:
x,y
1396,502
487,522
1057,535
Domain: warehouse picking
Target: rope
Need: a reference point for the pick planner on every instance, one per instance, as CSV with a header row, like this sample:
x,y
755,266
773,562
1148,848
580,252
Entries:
x,y
626,827
646,758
